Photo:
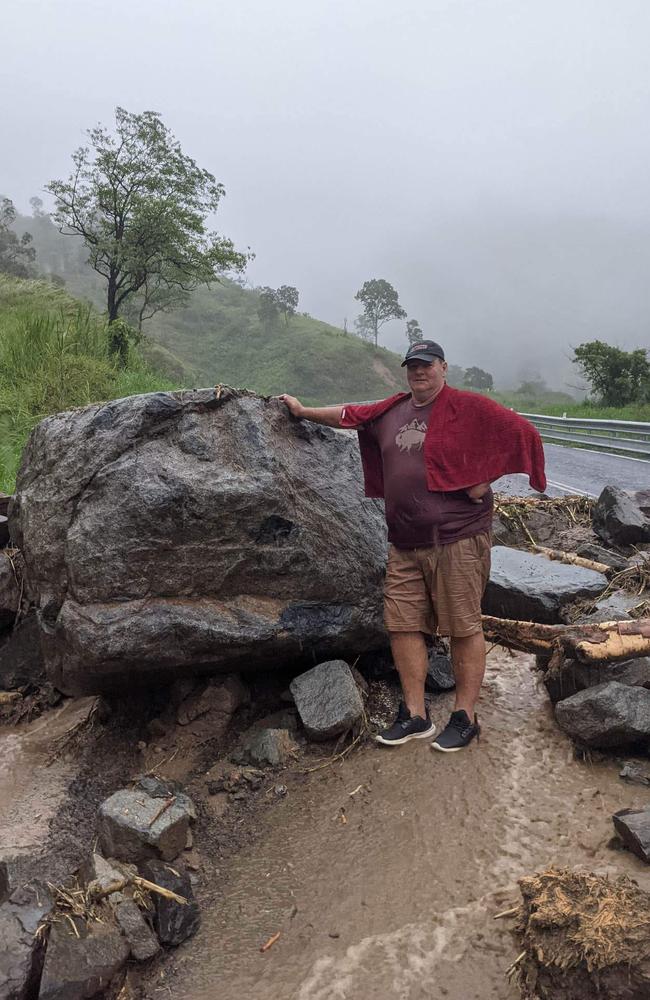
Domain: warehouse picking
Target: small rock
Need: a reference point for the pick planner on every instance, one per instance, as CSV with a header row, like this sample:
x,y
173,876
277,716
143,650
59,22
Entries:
x,y
327,699
99,873
598,553
21,954
173,922
614,608
133,826
607,715
79,967
280,790
142,940
220,700
141,745
634,774
633,827
440,673
267,746
622,517
156,788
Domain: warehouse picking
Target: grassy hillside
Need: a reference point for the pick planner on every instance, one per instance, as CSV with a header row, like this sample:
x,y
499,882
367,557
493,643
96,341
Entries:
x,y
219,338
54,356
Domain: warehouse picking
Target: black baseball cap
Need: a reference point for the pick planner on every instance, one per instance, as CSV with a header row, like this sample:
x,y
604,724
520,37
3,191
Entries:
x,y
424,350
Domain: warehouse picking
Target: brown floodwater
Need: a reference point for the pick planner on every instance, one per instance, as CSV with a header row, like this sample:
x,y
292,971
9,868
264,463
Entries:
x,y
399,901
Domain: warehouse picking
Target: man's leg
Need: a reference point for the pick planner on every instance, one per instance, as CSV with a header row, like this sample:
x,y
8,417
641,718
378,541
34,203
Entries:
x,y
468,660
411,659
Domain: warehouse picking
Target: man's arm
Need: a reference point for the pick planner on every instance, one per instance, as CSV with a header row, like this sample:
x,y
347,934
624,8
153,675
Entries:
x,y
328,415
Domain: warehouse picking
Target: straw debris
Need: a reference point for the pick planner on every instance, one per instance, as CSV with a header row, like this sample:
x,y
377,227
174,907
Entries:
x,y
583,935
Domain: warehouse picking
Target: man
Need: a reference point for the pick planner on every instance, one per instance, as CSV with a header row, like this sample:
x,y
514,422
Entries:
x,y
432,454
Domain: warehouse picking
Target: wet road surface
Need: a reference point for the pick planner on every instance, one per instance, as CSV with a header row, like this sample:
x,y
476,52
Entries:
x,y
576,470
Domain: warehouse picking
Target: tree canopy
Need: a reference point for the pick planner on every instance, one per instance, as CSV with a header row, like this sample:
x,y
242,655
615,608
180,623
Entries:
x,y
476,378
380,303
16,252
618,377
140,205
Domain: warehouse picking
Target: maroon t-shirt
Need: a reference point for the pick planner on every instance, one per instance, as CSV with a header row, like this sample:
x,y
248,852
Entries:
x,y
416,516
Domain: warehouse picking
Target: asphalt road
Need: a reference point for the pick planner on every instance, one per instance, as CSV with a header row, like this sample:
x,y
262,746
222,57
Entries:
x,y
577,470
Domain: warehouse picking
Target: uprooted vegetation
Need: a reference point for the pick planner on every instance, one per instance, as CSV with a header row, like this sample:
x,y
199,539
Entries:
x,y
583,936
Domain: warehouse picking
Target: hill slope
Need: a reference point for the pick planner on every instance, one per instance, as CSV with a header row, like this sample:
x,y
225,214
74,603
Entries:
x,y
54,355
219,338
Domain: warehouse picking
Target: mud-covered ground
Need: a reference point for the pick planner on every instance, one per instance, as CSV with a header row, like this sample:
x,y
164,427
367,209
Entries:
x,y
383,872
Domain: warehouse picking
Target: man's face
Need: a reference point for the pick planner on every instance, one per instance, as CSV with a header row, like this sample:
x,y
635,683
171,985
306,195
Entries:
x,y
426,378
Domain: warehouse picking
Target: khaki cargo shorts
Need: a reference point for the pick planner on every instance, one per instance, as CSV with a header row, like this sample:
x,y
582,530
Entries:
x,y
437,589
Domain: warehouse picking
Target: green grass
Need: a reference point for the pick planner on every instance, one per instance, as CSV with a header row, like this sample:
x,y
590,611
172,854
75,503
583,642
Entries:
x,y
219,338
54,355
552,406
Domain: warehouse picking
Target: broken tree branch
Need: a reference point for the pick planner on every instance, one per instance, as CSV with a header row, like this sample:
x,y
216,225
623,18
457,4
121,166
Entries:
x,y
594,643
573,560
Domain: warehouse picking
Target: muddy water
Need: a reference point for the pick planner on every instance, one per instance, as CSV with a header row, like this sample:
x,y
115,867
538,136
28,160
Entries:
x,y
33,779
398,901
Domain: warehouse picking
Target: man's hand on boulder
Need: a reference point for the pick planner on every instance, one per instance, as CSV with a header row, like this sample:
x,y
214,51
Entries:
x,y
295,407
476,493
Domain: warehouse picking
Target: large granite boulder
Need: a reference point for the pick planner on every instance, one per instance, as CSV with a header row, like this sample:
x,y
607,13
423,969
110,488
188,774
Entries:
x,y
533,588
197,530
621,516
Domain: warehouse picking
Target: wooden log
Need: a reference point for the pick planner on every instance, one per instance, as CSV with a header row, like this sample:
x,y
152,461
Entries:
x,y
573,560
603,642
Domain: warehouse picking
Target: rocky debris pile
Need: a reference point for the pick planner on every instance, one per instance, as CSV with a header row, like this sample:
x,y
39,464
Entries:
x,y
328,700
622,517
195,531
530,587
582,936
127,902
633,828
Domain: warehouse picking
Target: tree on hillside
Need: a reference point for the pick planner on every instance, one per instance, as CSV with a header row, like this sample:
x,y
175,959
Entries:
x,y
140,205
16,252
380,303
413,331
287,299
476,378
617,377
267,307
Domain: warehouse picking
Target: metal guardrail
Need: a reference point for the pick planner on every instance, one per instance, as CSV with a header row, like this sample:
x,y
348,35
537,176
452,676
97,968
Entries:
x,y
625,437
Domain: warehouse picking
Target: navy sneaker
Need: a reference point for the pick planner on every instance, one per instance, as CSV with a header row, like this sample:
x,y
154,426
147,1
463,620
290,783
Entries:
x,y
458,733
406,727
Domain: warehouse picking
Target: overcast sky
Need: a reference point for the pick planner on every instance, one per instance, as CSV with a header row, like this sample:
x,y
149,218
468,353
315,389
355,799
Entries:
x,y
490,158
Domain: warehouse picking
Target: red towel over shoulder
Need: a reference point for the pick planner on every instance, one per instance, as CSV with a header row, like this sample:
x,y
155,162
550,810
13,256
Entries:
x,y
470,440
